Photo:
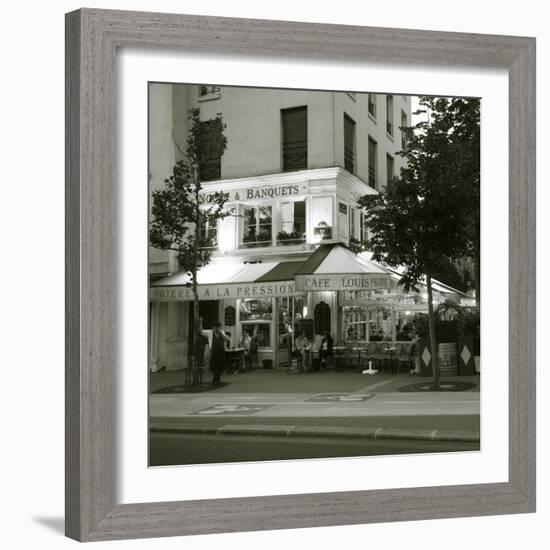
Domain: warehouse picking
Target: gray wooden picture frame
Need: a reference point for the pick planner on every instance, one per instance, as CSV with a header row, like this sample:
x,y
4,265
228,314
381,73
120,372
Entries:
x,y
92,39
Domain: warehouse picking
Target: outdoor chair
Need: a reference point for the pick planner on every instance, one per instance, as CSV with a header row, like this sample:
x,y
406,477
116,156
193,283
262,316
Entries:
x,y
404,357
381,356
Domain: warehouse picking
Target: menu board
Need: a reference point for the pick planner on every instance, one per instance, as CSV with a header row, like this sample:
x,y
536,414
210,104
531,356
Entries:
x,y
229,316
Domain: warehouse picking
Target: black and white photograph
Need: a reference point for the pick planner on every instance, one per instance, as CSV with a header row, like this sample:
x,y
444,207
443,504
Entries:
x,y
314,274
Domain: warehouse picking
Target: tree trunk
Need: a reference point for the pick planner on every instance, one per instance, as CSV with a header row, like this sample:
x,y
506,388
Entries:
x,y
431,326
196,332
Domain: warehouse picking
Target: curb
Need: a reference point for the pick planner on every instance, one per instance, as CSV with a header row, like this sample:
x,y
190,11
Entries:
x,y
336,432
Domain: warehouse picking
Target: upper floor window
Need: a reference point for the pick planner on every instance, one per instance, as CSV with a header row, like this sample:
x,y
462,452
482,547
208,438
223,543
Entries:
x,y
373,151
209,234
294,134
372,105
352,212
363,229
212,167
404,124
349,144
293,223
389,114
257,226
390,168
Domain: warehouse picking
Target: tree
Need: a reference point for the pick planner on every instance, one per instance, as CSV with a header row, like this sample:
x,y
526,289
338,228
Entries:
x,y
424,218
181,217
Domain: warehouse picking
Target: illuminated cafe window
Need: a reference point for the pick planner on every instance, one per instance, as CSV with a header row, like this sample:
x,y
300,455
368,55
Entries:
x,y
263,332
355,324
209,234
321,218
257,226
294,132
363,229
293,223
352,214
256,316
256,309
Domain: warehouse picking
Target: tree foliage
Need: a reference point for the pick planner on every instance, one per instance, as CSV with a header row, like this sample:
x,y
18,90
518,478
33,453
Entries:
x,y
178,208
429,216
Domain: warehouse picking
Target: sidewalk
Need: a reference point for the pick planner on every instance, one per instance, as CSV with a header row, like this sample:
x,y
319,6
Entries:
x,y
320,404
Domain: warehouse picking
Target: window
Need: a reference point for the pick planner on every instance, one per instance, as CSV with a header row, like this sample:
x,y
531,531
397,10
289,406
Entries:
x,y
211,168
321,218
257,226
349,144
294,133
352,212
372,105
404,124
293,223
372,162
390,168
355,324
389,114
363,230
256,316
209,234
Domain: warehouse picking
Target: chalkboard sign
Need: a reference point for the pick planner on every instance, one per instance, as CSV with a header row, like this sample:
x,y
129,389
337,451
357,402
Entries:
x,y
229,316
322,318
305,325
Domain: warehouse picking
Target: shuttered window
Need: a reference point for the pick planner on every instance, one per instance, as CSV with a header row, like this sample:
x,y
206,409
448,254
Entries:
x,y
349,144
294,133
372,162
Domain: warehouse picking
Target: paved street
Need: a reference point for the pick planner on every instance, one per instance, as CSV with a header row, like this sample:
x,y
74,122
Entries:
x,y
266,394
173,449
342,414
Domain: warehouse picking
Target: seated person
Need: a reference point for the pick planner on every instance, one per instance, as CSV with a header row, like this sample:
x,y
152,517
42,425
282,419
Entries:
x,y
326,350
303,345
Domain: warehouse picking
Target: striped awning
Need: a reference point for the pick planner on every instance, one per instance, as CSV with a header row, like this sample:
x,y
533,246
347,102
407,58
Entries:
x,y
335,267
228,279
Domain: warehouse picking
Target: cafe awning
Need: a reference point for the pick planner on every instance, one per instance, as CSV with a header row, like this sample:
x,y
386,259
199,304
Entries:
x,y
229,279
335,267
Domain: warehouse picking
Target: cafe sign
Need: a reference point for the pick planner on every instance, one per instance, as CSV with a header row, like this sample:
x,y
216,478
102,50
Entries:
x,y
220,292
257,193
362,281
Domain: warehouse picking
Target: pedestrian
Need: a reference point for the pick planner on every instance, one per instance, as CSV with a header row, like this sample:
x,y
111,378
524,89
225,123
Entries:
x,y
326,351
303,346
217,353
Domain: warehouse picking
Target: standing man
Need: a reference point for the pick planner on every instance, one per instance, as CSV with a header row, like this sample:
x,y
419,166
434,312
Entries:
x,y
217,353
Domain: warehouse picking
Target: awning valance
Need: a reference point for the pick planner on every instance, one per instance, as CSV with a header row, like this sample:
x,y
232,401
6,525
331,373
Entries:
x,y
335,267
223,279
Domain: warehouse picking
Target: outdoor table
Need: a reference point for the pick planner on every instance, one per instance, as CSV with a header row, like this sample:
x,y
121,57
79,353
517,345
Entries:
x,y
236,355
339,353
391,350
359,350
